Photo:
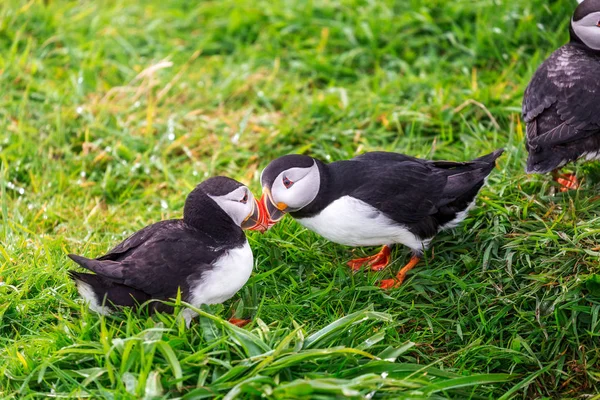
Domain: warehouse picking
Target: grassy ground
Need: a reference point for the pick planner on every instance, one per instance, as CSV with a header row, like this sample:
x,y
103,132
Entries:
x,y
111,112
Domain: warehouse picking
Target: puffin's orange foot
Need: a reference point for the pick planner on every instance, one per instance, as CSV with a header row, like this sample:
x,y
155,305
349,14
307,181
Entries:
x,y
567,182
397,281
239,322
387,284
377,262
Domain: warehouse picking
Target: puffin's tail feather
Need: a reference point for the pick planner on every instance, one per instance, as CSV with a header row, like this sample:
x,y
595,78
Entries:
x,y
92,290
490,158
102,293
106,268
489,161
82,261
465,183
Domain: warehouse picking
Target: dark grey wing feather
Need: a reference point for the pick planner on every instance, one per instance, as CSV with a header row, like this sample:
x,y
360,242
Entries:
x,y
143,237
108,268
412,189
407,191
419,194
164,266
158,259
560,104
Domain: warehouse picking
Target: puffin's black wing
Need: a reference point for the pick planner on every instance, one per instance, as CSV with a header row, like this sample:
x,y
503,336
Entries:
x,y
560,104
403,188
159,230
414,192
158,266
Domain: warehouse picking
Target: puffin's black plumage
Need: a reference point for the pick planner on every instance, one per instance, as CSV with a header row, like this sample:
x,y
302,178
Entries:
x,y
560,105
422,195
172,255
377,198
115,293
154,262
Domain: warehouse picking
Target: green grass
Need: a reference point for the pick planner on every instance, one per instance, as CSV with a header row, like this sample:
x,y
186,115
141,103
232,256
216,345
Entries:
x,y
111,112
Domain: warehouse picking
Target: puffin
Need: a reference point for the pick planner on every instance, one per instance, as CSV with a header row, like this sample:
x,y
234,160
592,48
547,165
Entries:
x,y
560,105
374,199
205,256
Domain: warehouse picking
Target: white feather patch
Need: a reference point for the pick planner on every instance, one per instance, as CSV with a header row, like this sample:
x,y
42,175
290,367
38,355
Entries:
x,y
88,294
353,222
229,274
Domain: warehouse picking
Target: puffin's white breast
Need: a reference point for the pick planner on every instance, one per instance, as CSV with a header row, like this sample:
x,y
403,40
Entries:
x,y
229,273
353,222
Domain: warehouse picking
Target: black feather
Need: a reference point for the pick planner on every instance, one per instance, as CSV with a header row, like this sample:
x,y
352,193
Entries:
x,y
421,195
561,108
110,293
162,258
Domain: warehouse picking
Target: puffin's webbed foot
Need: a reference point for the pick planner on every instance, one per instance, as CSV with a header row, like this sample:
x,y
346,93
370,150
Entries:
x,y
401,275
566,181
377,262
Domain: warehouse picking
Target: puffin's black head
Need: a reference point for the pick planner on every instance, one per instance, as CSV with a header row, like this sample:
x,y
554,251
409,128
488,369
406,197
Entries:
x,y
229,199
289,183
585,24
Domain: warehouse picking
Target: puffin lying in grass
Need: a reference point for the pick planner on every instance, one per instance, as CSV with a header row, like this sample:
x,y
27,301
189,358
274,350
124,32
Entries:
x,y
374,199
561,104
205,255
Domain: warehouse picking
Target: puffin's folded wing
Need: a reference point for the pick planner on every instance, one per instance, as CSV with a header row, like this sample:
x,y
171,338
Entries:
x,y
165,266
539,95
107,268
560,104
145,236
406,191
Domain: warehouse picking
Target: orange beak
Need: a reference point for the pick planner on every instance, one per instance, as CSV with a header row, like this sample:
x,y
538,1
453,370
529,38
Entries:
x,y
257,220
272,213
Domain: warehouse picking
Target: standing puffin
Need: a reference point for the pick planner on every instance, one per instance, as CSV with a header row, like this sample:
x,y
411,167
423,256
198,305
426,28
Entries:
x,y
561,104
205,255
374,199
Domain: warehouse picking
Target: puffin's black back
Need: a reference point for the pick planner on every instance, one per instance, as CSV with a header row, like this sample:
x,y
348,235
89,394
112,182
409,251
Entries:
x,y
419,194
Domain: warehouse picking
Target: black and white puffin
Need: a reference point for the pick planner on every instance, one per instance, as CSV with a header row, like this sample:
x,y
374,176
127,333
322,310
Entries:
x,y
560,105
374,199
205,255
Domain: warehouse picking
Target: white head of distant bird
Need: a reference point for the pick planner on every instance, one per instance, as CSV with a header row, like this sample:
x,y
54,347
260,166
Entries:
x,y
585,24
290,183
235,199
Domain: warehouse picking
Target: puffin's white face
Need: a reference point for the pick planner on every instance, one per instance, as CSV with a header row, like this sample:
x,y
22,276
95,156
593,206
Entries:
x,y
588,30
292,190
241,206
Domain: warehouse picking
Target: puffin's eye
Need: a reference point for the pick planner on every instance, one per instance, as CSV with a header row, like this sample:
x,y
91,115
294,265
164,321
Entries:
x,y
287,183
598,24
244,199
